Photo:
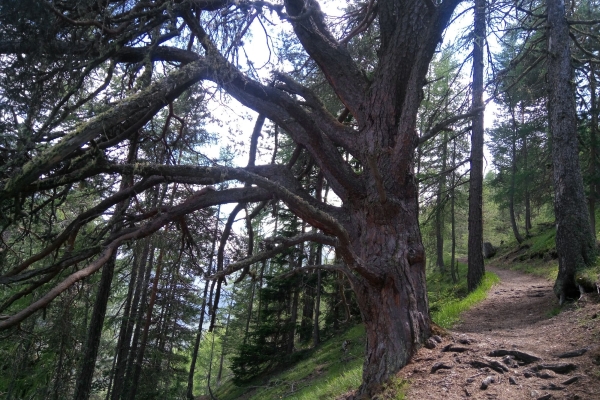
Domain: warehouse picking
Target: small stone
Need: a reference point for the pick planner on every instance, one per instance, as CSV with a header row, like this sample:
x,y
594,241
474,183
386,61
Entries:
x,y
430,343
455,349
546,375
512,380
437,338
571,380
487,382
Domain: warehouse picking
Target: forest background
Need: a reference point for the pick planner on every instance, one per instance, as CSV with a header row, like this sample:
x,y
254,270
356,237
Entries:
x,y
137,263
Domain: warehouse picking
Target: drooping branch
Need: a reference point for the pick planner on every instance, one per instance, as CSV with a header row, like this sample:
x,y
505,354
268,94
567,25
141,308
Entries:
x,y
70,232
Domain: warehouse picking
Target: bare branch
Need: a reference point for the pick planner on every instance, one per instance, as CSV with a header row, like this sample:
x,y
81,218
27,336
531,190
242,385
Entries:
x,y
437,128
284,243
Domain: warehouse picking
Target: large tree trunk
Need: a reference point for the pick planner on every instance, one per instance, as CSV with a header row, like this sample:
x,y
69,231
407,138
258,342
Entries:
x,y
574,239
394,309
476,267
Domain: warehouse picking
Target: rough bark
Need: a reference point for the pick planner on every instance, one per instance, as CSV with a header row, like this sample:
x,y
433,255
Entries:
x,y
575,243
476,267
394,310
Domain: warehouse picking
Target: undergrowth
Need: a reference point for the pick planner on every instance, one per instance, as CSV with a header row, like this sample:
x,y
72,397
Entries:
x,y
329,372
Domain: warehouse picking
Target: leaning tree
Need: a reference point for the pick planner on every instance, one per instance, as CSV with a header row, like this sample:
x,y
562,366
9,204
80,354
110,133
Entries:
x,y
65,124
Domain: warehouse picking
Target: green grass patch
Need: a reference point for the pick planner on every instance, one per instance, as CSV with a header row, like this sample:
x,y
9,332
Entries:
x,y
448,314
548,270
326,373
554,311
543,242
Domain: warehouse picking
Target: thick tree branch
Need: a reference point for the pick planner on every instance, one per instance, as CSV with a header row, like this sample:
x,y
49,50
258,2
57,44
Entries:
x,y
283,110
332,57
211,175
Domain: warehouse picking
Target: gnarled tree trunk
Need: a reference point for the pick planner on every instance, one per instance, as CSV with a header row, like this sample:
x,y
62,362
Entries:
x,y
395,308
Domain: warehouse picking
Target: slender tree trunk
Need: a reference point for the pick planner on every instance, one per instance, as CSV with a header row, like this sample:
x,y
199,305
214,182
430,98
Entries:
x,y
528,224
137,370
126,318
190,386
223,344
476,267
575,242
129,343
593,161
513,178
453,268
86,373
316,337
439,211
293,319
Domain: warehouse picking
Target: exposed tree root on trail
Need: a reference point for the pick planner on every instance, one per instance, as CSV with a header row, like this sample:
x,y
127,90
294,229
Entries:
x,y
511,347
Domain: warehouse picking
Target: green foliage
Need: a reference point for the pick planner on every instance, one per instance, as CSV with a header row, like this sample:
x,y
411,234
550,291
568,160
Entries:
x,y
268,345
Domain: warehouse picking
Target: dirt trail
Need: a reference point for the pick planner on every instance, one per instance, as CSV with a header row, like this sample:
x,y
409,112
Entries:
x,y
514,319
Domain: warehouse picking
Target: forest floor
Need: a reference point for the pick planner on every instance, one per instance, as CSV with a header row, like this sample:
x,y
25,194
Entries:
x,y
498,340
